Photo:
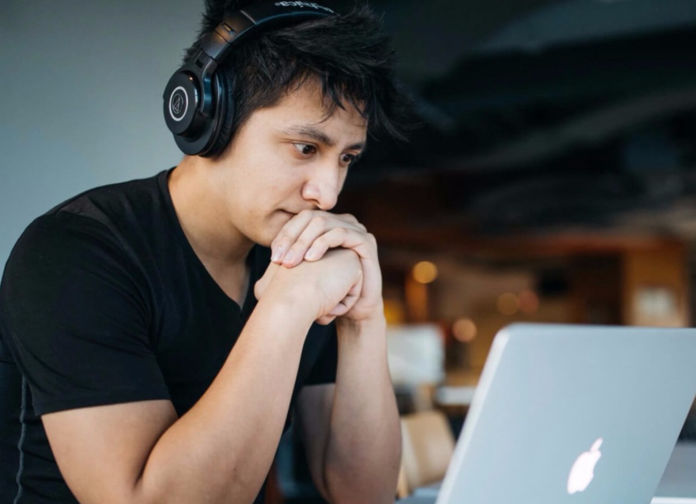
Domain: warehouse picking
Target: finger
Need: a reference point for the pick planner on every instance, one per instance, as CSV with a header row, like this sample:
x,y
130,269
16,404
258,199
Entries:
x,y
371,284
344,305
297,235
351,298
353,220
287,235
357,241
339,310
317,226
320,224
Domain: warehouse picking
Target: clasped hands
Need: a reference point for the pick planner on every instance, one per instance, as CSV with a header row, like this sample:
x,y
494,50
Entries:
x,y
337,256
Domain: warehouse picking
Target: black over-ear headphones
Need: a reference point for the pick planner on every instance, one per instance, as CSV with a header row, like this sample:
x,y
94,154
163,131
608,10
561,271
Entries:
x,y
196,104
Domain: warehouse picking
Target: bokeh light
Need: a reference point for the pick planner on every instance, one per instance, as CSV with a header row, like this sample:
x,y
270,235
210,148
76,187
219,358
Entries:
x,y
464,330
529,301
508,303
424,272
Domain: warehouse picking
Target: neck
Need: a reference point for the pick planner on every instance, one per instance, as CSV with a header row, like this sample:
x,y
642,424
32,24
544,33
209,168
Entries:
x,y
201,209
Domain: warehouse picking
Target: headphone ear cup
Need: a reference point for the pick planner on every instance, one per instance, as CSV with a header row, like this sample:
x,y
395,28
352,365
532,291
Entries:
x,y
224,130
184,96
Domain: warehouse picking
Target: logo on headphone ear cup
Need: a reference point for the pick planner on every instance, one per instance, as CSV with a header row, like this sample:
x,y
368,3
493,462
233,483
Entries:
x,y
181,99
178,103
193,116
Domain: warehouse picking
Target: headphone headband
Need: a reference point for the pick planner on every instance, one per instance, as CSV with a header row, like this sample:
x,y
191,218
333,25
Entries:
x,y
238,23
194,107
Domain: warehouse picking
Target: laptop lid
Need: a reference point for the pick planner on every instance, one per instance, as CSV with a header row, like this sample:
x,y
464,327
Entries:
x,y
678,483
576,414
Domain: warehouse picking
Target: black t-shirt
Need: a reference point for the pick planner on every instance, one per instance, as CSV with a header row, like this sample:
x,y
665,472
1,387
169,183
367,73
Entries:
x,y
104,301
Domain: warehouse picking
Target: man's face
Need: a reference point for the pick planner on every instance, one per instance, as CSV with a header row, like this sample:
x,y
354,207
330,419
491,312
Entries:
x,y
287,158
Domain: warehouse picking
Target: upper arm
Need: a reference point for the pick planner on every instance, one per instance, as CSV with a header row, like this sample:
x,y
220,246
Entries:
x,y
102,450
314,404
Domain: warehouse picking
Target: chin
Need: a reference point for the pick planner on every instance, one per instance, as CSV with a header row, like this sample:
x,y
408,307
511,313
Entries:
x,y
263,231
264,242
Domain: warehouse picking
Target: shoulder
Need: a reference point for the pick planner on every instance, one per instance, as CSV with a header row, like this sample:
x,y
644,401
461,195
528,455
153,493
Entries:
x,y
66,259
82,243
55,237
96,224
113,203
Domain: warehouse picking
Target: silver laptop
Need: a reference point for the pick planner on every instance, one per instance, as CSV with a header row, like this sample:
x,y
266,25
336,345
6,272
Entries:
x,y
574,414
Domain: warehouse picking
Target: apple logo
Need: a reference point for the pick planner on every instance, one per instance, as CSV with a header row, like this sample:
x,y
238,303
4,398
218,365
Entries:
x,y
582,472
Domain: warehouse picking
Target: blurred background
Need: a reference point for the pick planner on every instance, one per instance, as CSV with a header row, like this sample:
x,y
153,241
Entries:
x,y
550,176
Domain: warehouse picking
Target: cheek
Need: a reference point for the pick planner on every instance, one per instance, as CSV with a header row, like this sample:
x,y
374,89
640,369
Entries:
x,y
284,183
266,187
342,179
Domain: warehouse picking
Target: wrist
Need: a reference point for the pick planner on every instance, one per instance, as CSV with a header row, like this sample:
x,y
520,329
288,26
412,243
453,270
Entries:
x,y
363,343
289,305
374,325
369,320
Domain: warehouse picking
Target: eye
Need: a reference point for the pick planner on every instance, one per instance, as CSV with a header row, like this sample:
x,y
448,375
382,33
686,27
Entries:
x,y
348,159
305,149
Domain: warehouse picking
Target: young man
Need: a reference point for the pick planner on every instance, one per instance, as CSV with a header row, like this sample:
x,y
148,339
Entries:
x,y
138,365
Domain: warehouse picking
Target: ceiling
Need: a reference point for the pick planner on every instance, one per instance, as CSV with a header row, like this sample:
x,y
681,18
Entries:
x,y
538,118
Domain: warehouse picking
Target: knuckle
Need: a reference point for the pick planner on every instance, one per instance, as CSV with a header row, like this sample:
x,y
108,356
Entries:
x,y
319,221
303,241
280,238
320,242
305,213
354,220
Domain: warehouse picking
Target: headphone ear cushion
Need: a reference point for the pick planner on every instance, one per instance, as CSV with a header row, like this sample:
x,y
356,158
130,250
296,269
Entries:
x,y
226,111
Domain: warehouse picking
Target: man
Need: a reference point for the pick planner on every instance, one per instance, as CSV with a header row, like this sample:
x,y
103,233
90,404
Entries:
x,y
146,371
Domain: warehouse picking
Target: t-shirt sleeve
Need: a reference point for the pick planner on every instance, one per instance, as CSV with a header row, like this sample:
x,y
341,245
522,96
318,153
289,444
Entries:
x,y
75,313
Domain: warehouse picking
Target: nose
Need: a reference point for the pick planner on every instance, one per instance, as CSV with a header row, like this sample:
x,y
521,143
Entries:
x,y
323,186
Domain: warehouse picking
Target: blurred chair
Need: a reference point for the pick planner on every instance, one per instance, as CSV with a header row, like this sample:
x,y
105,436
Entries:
x,y
427,447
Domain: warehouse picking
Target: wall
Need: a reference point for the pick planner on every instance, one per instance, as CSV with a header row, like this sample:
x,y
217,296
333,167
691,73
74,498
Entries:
x,y
81,94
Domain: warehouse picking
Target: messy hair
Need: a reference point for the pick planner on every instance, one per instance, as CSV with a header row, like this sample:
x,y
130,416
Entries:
x,y
349,54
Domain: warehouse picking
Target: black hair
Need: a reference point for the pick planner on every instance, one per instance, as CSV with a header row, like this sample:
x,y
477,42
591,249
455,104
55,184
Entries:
x,y
349,54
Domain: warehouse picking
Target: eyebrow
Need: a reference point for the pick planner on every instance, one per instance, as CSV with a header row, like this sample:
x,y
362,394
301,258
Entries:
x,y
319,136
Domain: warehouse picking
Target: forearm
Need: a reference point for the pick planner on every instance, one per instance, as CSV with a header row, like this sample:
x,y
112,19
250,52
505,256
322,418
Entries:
x,y
364,449
221,449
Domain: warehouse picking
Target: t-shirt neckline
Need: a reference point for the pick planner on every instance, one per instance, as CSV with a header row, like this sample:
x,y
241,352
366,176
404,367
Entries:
x,y
162,180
